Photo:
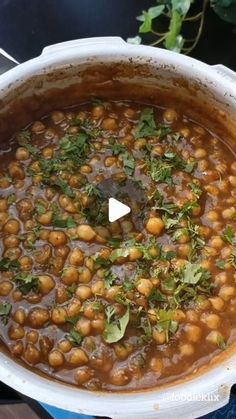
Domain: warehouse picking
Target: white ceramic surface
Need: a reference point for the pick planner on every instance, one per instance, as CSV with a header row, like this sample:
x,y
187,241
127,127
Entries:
x,y
178,401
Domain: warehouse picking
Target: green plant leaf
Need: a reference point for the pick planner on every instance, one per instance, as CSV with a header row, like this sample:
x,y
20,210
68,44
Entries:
x,y
181,6
172,41
9,265
5,310
148,16
115,330
225,9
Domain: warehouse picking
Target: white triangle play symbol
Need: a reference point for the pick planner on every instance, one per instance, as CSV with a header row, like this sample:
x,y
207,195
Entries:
x,y
116,210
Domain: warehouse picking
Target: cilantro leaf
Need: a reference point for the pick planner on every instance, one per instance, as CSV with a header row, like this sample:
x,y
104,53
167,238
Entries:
x,y
63,223
74,337
5,310
195,189
129,163
228,235
166,322
66,189
115,330
147,125
27,282
9,265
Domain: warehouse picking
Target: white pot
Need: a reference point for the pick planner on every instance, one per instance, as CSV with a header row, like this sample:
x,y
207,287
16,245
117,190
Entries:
x,y
216,85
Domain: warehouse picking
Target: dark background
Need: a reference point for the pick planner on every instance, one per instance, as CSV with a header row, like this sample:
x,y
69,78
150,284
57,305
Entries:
x,y
26,26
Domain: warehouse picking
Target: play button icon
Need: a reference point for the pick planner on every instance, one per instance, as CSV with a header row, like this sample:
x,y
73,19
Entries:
x,y
116,210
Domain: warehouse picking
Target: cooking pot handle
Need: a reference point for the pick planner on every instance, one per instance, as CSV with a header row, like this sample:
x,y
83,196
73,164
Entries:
x,y
6,61
225,71
85,42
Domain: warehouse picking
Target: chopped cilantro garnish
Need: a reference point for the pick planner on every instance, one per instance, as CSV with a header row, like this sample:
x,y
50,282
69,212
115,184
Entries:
x,y
115,329
9,265
27,282
74,337
5,310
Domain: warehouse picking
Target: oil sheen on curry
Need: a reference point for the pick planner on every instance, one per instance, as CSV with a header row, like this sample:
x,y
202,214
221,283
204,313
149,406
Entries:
x,y
131,304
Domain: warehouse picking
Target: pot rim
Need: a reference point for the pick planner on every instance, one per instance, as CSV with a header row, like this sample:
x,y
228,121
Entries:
x,y
44,389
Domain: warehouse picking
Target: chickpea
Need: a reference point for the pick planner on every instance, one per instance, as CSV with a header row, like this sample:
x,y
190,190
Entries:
x,y
212,190
74,308
109,124
70,275
135,254
17,349
19,316
221,278
3,217
191,316
3,204
200,153
85,169
32,336
85,232
170,116
82,375
229,213
184,250
5,288
48,152
202,165
119,378
11,241
31,354
217,242
159,337
13,253
76,257
179,316
217,303
46,284
59,315
193,332
38,317
214,337
83,326
98,288
212,216
26,263
55,359
144,286
45,219
83,292
156,364
110,161
16,332
38,127
43,254
140,143
85,275
12,226
186,349
16,170
211,320
155,226
226,292
57,238
78,357
98,325
22,154
65,346
62,251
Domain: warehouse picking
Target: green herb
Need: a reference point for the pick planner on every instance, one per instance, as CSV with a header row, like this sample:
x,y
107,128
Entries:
x,y
93,191
32,149
221,342
193,273
71,290
115,329
11,199
161,168
116,148
195,189
74,338
97,305
162,205
64,223
117,253
147,126
109,279
229,235
75,148
127,284
5,310
145,325
27,282
9,265
122,299
72,320
114,242
66,189
100,262
156,296
129,163
220,264
232,258
99,102
24,136
40,208
89,127
166,322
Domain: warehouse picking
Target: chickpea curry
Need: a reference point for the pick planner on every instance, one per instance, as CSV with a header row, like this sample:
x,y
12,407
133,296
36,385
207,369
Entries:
x,y
127,305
